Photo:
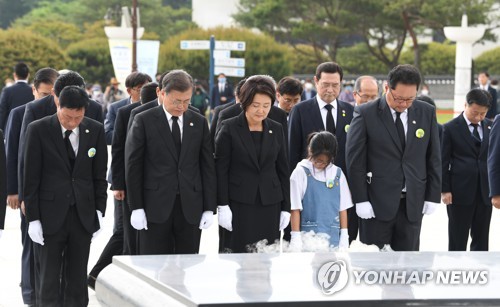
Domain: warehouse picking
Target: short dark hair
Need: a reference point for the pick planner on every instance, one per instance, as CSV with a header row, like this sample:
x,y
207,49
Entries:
x,y
484,72
405,74
67,79
427,99
290,86
322,143
177,80
160,82
45,75
148,92
73,97
22,70
478,96
237,89
136,79
258,84
329,68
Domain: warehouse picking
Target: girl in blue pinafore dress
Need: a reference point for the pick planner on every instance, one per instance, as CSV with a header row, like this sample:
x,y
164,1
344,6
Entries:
x,y
319,194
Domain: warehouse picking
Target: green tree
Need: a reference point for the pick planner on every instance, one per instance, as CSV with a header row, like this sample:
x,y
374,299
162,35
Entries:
x,y
34,50
63,33
357,59
488,61
263,54
304,59
10,10
436,58
91,58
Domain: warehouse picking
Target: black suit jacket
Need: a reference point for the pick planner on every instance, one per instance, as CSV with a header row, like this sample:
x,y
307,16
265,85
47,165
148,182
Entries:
x,y
3,181
51,185
305,118
464,166
153,171
13,96
373,146
276,114
494,158
12,133
492,112
215,119
241,175
118,146
228,92
39,109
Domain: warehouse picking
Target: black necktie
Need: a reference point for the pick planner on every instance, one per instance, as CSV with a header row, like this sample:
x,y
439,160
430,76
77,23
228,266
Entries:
x,y
401,130
330,124
475,134
176,134
69,148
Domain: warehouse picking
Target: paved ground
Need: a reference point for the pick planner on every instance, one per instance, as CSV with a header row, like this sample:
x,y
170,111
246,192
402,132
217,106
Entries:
x,y
433,238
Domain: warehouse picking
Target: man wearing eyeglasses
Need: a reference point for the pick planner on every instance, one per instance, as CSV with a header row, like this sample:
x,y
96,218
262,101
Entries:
x,y
394,163
365,89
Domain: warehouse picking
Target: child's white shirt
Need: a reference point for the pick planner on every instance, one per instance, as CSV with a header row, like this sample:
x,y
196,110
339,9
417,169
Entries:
x,y
298,184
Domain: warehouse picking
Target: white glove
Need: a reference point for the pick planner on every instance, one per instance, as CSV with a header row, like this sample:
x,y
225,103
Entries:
x,y
99,217
295,242
386,248
344,239
35,232
138,219
1,230
207,218
225,217
365,210
429,207
284,219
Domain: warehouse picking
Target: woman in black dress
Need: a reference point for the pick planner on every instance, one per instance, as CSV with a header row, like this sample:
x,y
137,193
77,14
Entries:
x,y
252,170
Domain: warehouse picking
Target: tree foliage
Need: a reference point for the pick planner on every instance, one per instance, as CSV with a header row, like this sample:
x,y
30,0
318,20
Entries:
x,y
34,50
91,58
263,55
488,61
436,58
357,59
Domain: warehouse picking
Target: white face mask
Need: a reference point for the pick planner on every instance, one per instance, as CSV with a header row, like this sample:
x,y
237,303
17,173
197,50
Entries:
x,y
308,86
425,92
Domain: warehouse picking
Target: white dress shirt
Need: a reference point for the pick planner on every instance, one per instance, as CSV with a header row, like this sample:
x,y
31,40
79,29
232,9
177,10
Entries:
x,y
471,129
74,138
404,119
324,111
298,184
180,120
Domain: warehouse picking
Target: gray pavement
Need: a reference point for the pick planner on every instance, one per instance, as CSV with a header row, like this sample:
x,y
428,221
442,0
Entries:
x,y
433,238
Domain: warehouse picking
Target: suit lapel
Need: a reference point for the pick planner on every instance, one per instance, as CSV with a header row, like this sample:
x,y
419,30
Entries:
x,y
412,124
388,120
188,130
57,138
246,138
164,130
316,119
486,125
464,130
267,140
341,120
82,143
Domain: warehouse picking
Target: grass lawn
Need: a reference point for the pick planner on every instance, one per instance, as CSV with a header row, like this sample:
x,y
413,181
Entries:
x,y
444,117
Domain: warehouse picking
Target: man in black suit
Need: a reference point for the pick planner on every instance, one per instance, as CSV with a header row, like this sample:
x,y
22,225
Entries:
x,y
465,187
494,163
394,163
123,240
43,82
65,195
483,79
3,183
288,93
322,112
16,95
222,92
170,172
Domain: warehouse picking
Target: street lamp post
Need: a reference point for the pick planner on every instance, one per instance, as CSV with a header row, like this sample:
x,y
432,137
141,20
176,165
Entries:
x,y
134,35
